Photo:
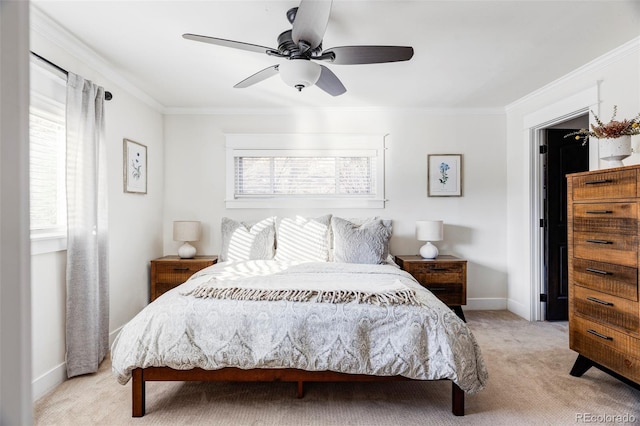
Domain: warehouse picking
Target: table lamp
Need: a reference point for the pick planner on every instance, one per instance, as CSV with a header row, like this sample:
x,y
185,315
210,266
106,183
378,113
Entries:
x,y
429,230
186,231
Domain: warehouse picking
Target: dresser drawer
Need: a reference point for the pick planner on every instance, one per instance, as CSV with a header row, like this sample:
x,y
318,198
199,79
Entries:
x,y
608,278
608,248
608,347
604,335
606,308
619,218
606,185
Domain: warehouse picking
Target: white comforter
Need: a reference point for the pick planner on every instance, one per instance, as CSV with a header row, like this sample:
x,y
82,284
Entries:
x,y
425,341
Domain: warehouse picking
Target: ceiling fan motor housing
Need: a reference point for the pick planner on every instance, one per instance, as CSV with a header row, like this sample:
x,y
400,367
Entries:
x,y
287,47
299,73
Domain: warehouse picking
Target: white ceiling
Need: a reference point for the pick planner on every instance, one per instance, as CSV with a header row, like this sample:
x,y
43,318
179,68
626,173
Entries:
x,y
468,54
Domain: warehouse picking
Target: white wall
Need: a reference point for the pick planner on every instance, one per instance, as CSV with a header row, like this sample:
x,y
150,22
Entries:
x,y
474,224
135,220
617,74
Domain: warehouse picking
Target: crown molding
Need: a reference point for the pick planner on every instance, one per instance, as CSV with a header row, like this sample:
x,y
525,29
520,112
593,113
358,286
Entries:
x,y
629,48
310,110
44,26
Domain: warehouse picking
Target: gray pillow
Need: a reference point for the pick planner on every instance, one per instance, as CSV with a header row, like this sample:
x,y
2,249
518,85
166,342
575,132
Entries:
x,y
361,243
241,241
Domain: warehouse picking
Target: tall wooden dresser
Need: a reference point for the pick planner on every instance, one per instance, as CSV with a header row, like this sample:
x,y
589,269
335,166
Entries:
x,y
603,209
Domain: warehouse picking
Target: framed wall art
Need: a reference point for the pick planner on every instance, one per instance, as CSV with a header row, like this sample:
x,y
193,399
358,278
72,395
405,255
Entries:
x,y
135,167
444,175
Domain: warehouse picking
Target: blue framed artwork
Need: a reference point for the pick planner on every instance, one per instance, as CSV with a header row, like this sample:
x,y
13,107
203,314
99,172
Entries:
x,y
444,175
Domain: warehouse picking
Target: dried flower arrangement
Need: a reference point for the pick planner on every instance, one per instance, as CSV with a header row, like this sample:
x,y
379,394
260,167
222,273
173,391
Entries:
x,y
613,129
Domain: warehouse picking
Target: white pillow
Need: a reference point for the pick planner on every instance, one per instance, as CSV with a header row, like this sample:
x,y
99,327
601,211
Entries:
x,y
241,241
303,238
367,242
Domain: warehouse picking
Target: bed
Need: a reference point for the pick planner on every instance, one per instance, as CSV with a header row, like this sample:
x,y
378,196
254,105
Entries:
x,y
298,321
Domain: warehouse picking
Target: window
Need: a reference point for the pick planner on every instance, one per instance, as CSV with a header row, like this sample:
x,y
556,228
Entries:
x,y
305,171
47,156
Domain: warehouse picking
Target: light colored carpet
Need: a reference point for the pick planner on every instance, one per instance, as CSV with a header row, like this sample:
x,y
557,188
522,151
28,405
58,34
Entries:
x,y
529,384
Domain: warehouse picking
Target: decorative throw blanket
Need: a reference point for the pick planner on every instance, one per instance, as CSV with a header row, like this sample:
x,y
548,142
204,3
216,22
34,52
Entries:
x,y
305,282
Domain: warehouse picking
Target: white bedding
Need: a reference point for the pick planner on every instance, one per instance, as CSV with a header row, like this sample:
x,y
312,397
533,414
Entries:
x,y
421,341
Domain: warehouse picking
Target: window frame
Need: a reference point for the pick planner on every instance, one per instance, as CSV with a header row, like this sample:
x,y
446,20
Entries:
x,y
44,105
372,145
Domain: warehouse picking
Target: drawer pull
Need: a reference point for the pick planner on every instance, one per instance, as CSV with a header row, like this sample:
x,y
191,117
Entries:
x,y
600,241
598,271
601,302
184,268
598,182
599,211
600,335
438,269
437,288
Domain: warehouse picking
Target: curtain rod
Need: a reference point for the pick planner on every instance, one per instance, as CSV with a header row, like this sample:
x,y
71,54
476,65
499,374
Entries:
x,y
107,95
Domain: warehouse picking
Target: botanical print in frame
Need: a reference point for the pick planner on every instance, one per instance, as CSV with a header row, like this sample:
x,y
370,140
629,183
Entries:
x,y
444,175
135,167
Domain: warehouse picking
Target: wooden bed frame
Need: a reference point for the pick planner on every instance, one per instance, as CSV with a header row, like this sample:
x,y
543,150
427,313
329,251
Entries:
x,y
142,375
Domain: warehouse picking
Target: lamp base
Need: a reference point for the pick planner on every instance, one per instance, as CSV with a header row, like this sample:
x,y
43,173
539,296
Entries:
x,y
429,251
186,251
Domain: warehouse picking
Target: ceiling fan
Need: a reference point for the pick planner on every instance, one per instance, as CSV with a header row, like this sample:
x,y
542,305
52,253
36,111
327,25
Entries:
x,y
302,45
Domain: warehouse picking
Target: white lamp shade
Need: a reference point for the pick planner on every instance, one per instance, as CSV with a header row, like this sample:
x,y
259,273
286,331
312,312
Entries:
x,y
299,73
184,230
429,230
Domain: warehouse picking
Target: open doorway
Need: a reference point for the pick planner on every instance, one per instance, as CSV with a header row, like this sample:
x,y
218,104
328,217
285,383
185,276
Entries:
x,y
560,156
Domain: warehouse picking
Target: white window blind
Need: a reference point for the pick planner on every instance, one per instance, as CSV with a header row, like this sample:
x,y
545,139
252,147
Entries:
x,y
326,170
304,176
47,151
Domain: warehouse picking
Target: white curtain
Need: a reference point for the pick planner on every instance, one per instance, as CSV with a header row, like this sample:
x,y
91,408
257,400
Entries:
x,y
87,330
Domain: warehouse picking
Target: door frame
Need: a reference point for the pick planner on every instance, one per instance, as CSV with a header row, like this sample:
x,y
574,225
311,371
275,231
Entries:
x,y
534,125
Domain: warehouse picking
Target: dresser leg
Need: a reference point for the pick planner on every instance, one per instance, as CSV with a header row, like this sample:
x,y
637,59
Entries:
x,y
581,366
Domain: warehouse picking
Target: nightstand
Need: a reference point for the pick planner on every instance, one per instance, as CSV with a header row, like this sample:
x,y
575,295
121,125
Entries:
x,y
170,271
445,276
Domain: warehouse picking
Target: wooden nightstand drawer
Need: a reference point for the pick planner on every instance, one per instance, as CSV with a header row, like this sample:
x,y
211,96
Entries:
x,y
445,277
178,272
170,271
452,294
436,272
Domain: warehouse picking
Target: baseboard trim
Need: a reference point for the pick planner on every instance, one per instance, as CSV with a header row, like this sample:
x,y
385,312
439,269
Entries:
x,y
519,309
486,304
57,375
48,381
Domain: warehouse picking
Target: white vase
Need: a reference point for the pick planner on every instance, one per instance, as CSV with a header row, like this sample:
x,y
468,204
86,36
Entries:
x,y
615,150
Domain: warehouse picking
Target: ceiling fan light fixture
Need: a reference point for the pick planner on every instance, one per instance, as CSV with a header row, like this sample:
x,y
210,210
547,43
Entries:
x,y
299,73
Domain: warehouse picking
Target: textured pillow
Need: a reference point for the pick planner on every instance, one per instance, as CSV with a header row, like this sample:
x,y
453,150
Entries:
x,y
303,238
361,243
241,241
